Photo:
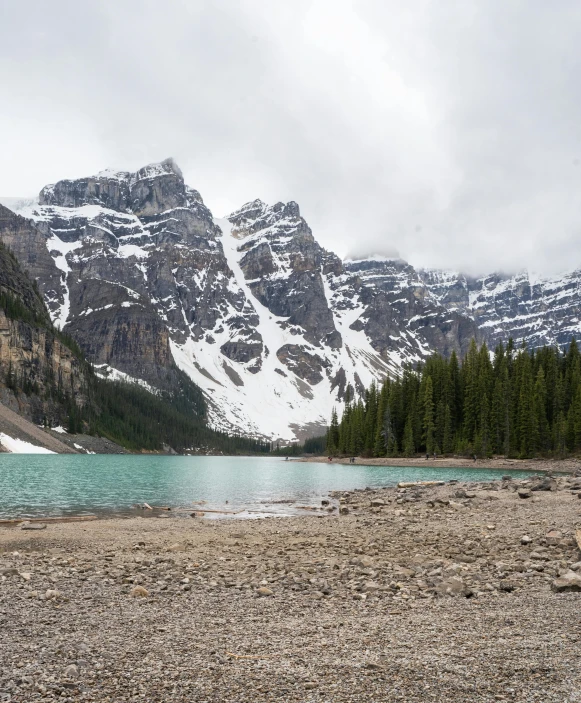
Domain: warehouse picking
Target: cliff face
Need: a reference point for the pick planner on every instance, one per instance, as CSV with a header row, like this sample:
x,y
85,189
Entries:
x,y
281,263
273,328
537,310
37,368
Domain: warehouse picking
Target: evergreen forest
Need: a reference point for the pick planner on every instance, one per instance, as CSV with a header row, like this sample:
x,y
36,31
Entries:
x,y
519,403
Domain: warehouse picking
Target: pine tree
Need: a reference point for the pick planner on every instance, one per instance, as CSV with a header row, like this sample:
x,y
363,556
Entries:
x,y
408,438
428,425
448,439
333,437
541,428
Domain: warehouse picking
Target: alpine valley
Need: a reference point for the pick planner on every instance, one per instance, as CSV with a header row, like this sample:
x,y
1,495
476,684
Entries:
x,y
272,327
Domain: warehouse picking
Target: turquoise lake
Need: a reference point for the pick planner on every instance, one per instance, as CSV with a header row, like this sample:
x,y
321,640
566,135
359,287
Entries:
x,y
41,485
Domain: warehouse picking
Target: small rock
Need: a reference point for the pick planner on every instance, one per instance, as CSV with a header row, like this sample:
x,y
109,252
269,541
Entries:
x,y
139,592
524,493
553,537
310,685
26,575
547,484
377,503
363,561
71,671
507,585
52,594
451,587
343,510
264,591
569,581
525,539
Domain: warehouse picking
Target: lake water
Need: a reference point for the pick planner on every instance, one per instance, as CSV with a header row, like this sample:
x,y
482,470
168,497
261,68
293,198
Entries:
x,y
52,485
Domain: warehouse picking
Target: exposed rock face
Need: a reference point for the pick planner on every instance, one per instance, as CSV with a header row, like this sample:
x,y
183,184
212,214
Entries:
x,y
140,261
35,364
272,327
281,262
536,310
392,305
307,366
28,244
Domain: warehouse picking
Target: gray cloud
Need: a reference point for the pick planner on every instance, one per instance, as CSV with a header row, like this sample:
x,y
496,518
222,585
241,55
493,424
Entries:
x,y
448,131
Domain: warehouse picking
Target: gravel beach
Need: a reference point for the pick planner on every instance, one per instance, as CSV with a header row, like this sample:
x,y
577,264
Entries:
x,y
460,592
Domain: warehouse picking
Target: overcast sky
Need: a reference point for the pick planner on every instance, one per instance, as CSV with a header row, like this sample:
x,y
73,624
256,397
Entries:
x,y
448,130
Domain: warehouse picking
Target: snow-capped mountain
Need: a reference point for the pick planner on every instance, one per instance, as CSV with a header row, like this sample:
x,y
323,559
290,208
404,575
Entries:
x,y
271,326
538,310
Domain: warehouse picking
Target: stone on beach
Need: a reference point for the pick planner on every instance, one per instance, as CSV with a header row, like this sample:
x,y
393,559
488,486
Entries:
x,y
569,581
139,592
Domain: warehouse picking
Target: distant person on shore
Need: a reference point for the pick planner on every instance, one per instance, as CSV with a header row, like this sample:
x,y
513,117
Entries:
x,y
427,456
330,458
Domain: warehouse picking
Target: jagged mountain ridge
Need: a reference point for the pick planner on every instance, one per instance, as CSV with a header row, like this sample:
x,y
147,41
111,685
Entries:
x,y
271,326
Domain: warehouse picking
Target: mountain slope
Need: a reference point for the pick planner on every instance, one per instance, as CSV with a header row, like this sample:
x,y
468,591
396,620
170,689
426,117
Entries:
x,y
273,328
41,375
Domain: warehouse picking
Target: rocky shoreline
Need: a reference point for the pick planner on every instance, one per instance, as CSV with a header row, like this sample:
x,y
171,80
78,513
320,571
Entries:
x,y
465,592
560,466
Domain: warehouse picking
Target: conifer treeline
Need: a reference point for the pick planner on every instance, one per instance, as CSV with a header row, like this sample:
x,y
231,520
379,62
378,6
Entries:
x,y
519,403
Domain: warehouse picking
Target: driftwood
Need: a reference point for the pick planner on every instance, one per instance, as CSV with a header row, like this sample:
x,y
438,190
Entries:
x,y
147,506
78,518
251,656
411,484
222,512
33,526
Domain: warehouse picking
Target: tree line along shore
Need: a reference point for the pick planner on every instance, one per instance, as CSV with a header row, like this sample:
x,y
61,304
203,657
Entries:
x,y
519,403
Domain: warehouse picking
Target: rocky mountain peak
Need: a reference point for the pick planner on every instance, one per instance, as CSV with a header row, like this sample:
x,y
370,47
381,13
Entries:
x,y
272,327
163,168
149,191
257,216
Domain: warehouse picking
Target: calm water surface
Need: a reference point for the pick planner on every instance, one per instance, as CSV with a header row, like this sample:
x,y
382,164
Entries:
x,y
42,485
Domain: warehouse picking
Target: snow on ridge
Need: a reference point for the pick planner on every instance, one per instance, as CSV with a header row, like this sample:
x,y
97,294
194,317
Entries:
x,y
376,258
269,402
61,315
111,374
18,205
